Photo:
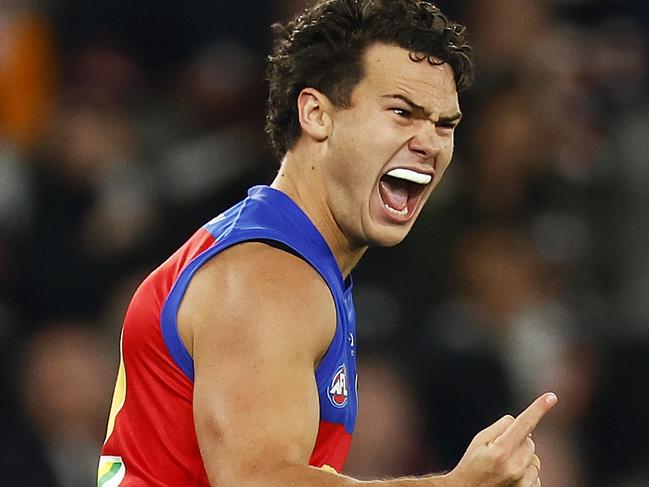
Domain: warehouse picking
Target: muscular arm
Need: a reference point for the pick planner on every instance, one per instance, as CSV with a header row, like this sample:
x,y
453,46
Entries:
x,y
257,320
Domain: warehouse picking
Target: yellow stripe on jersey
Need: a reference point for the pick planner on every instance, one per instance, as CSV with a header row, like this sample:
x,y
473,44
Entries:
x,y
119,395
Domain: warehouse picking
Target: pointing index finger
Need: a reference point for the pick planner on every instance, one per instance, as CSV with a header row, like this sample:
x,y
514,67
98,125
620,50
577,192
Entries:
x,y
525,423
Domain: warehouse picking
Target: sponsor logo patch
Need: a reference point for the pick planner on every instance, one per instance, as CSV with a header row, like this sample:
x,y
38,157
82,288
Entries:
x,y
338,393
111,471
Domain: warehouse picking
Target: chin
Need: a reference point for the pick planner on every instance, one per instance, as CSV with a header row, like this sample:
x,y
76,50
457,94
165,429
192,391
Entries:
x,y
387,237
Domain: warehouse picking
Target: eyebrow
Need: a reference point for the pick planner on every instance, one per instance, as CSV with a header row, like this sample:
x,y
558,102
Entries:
x,y
420,110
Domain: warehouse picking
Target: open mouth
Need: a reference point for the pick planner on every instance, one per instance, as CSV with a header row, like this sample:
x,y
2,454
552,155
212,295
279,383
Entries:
x,y
400,190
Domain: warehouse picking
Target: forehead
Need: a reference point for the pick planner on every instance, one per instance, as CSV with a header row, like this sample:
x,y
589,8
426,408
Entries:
x,y
390,70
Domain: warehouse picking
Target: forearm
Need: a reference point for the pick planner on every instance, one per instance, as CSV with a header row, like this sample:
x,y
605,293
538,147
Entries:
x,y
304,476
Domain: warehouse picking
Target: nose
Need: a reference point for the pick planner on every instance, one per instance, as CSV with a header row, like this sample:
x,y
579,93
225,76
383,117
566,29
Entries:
x,y
426,141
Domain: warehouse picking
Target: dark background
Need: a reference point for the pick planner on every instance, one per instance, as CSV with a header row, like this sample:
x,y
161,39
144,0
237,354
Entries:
x,y
126,125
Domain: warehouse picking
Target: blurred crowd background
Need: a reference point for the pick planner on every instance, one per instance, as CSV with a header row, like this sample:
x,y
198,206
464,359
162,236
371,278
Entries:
x,y
126,125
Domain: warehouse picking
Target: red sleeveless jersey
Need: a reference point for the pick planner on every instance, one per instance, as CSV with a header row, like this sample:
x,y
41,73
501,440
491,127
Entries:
x,y
151,440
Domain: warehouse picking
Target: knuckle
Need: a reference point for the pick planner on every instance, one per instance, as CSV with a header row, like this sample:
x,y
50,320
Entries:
x,y
531,445
481,437
533,474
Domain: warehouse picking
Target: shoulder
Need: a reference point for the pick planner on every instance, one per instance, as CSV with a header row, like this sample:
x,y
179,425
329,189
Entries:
x,y
262,292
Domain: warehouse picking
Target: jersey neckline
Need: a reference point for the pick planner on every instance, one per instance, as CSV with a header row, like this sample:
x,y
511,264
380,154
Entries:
x,y
289,207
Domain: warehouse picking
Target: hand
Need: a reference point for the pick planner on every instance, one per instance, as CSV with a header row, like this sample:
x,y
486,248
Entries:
x,y
503,454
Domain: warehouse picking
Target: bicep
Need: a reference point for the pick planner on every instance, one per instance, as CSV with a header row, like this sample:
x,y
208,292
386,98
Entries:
x,y
253,411
255,396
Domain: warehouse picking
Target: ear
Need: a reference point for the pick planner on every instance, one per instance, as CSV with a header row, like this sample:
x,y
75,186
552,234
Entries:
x,y
314,112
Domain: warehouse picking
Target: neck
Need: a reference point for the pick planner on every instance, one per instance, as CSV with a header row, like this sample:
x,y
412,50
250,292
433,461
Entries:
x,y
300,180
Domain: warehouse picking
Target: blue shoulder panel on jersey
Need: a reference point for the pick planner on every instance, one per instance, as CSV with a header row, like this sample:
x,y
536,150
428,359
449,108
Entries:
x,y
267,214
169,314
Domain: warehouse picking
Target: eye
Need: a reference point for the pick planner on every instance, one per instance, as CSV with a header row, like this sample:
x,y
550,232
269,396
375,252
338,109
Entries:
x,y
402,112
447,125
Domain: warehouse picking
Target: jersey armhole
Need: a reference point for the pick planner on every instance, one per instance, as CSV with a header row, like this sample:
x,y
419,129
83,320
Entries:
x,y
169,315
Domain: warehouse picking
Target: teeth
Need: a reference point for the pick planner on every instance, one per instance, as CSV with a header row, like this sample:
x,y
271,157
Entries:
x,y
409,175
403,212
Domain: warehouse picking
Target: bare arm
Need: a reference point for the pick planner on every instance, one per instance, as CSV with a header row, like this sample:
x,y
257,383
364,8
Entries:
x,y
257,321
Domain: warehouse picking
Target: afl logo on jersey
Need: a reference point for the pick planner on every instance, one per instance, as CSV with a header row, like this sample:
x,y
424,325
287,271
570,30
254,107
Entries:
x,y
338,393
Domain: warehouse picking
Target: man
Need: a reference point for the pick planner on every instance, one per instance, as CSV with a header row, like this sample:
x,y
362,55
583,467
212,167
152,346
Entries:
x,y
238,353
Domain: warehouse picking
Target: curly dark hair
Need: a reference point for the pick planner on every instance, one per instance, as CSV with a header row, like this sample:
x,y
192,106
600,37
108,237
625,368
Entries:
x,y
323,48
